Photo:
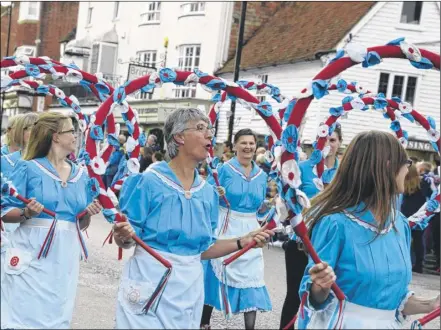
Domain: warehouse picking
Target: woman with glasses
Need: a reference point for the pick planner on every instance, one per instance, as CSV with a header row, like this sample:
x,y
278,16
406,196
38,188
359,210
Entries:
x,y
41,267
295,258
175,212
364,242
245,184
20,137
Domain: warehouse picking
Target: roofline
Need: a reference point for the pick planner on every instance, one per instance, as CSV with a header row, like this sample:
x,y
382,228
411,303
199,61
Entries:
x,y
360,24
303,59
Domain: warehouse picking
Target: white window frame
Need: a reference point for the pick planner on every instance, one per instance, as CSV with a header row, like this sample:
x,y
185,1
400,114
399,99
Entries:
x,y
152,14
260,78
100,52
406,76
89,15
187,91
116,10
193,8
421,14
152,63
24,15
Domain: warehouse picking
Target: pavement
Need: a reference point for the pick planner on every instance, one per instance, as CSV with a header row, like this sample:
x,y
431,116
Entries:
x,y
99,280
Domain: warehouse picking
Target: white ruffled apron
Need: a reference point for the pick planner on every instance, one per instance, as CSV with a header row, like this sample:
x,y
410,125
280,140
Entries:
x,y
181,303
354,317
40,293
248,270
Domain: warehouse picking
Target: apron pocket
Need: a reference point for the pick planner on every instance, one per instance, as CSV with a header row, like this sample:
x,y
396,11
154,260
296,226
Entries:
x,y
16,261
134,295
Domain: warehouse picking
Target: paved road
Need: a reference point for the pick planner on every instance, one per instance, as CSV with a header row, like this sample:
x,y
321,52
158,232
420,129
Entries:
x,y
99,277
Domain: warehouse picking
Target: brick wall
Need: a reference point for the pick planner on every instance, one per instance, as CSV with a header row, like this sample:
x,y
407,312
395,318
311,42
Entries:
x,y
257,14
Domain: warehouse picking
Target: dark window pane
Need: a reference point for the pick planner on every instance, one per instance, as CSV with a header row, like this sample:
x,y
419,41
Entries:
x,y
410,89
382,85
411,13
398,86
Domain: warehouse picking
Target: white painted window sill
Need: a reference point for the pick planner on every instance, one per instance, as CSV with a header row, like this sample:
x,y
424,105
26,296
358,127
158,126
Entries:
x,y
410,27
191,14
88,26
150,23
116,19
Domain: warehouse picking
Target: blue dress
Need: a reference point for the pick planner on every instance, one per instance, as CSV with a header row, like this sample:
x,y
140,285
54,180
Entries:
x,y
180,226
308,176
372,273
7,166
245,276
40,293
4,150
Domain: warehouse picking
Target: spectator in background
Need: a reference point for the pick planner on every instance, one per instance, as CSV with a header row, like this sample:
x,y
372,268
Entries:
x,y
114,161
157,157
260,151
228,147
424,168
416,192
152,142
226,157
146,159
261,162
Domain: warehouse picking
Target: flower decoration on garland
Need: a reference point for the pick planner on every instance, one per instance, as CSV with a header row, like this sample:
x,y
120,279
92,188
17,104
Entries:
x,y
265,108
290,137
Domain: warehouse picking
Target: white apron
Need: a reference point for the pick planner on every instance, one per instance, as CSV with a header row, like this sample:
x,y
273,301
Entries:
x,y
40,293
181,303
248,270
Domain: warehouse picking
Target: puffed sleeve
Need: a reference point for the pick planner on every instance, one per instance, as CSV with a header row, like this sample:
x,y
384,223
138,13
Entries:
x,y
135,200
18,178
327,239
214,215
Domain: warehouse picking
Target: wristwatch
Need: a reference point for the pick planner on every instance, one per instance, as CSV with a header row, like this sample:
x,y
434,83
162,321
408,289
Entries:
x,y
23,214
239,246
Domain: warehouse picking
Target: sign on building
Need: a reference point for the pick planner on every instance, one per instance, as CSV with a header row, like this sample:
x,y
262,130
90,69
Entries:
x,y
137,70
420,145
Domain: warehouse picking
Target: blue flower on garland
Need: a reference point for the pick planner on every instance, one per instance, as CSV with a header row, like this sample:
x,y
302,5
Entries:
x,y
432,205
290,138
167,75
130,127
84,156
119,95
93,187
371,59
75,107
434,146
385,115
96,133
294,206
63,102
395,42
42,90
347,99
142,139
232,97
380,103
381,95
102,88
405,134
432,122
216,97
340,53
319,88
342,85
216,84
199,73
332,128
109,215
265,108
396,99
315,157
289,109
408,116
424,64
336,111
32,70
47,67
113,140
147,88
244,83
395,126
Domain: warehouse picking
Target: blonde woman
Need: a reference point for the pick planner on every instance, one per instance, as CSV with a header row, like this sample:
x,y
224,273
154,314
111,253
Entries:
x,y
9,145
39,293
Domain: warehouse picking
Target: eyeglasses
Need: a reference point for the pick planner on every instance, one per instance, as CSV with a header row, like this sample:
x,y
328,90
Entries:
x,y
71,131
409,162
28,127
202,128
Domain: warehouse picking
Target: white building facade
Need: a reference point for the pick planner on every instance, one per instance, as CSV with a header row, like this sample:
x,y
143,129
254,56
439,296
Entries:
x,y
384,22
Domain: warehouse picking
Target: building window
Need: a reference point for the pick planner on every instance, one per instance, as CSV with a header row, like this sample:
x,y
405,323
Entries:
x,y
116,10
190,8
261,78
25,50
147,58
189,57
89,15
29,11
398,85
153,13
411,12
103,59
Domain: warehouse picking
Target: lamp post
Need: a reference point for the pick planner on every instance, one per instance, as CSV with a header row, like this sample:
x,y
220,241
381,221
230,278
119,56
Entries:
x,y
10,6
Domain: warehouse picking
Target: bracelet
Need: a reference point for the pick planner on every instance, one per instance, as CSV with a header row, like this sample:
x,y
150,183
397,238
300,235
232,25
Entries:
x,y
23,214
239,246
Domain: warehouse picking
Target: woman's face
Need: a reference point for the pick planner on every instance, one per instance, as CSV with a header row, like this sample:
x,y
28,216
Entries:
x,y
196,140
401,178
245,147
27,134
334,143
67,137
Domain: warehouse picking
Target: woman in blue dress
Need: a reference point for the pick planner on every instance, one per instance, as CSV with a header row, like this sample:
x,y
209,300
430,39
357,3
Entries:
x,y
363,241
175,212
9,145
20,135
39,293
245,185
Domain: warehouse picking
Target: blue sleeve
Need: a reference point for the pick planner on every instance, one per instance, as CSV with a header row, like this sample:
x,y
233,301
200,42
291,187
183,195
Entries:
x,y
327,239
214,218
134,201
18,178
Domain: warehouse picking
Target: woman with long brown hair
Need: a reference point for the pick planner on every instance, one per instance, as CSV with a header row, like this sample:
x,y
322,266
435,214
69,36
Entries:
x,y
363,240
42,259
416,192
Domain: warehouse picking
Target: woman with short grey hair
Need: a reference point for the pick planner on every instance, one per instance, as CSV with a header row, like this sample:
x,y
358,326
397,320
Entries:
x,y
174,211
